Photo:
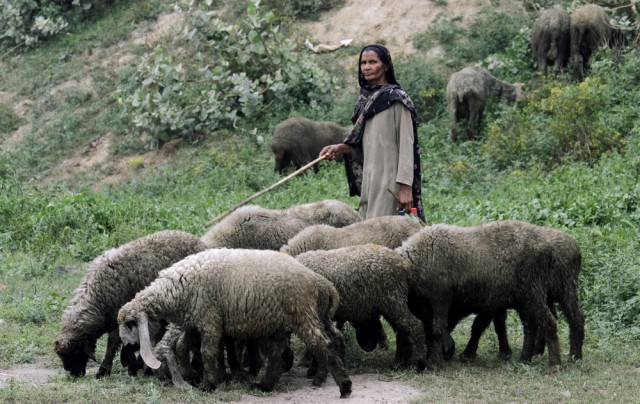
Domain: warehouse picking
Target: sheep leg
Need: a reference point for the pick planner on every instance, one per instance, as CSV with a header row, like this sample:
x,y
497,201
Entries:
x,y
409,333
435,358
211,344
255,358
453,119
232,355
575,318
540,342
480,324
113,343
538,311
500,328
276,345
327,355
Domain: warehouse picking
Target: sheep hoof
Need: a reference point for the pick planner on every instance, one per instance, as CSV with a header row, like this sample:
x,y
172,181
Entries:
x,y
504,355
345,389
207,386
311,372
102,372
262,387
420,366
468,357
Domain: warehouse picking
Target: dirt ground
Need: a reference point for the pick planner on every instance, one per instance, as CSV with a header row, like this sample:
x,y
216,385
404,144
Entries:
x,y
367,388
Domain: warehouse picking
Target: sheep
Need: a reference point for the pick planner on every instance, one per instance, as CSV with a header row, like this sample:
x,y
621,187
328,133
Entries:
x,y
590,29
255,227
372,280
112,280
550,39
241,293
388,231
467,93
486,269
562,287
298,141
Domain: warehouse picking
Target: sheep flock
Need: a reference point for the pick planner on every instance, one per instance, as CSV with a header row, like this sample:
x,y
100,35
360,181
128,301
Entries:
x,y
183,306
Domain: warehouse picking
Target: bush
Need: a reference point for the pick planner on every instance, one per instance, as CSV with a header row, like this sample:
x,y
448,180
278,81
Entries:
x,y
218,74
556,122
26,22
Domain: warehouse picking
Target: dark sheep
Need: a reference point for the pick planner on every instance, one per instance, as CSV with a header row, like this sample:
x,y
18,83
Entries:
x,y
566,266
590,29
468,91
298,141
488,269
550,39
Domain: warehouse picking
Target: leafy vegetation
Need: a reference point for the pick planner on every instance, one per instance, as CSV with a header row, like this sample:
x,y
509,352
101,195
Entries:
x,y
565,156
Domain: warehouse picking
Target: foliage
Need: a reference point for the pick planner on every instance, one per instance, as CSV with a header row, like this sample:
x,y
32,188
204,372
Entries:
x,y
257,71
26,22
424,83
560,120
490,32
9,120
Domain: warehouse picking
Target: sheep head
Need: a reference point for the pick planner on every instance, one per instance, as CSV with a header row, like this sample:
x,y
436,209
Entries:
x,y
75,354
134,329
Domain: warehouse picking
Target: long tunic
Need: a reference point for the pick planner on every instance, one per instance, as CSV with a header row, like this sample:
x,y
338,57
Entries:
x,y
387,145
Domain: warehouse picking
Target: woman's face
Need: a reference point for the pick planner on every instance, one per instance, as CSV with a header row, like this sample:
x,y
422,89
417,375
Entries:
x,y
372,68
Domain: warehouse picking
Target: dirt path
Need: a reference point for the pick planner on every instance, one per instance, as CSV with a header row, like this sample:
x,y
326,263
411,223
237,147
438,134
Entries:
x,y
367,387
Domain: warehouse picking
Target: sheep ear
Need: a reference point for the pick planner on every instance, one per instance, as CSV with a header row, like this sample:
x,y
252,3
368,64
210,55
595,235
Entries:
x,y
145,344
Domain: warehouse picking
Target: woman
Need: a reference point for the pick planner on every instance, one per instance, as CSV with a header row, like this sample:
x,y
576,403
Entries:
x,y
381,152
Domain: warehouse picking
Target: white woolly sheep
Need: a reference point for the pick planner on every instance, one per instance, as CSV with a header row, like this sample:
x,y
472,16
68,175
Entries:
x,y
298,141
373,280
485,269
112,280
468,91
388,231
241,293
255,227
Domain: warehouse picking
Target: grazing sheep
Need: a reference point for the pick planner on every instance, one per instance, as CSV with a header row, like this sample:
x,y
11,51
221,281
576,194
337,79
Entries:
x,y
550,39
298,141
467,93
562,287
255,227
485,269
388,231
112,280
372,280
242,294
590,29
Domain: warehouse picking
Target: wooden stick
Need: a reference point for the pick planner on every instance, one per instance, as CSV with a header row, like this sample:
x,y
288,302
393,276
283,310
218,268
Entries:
x,y
264,191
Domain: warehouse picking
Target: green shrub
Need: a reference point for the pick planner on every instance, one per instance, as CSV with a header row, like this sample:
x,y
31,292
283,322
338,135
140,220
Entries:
x,y
556,122
222,74
424,83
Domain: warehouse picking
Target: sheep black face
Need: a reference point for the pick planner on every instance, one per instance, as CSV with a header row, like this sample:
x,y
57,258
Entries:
x,y
75,355
368,333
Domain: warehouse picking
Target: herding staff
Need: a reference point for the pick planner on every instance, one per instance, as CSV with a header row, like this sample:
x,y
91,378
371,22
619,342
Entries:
x,y
264,191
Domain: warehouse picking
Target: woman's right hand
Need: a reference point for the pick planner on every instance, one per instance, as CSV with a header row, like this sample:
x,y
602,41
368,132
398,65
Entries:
x,y
332,151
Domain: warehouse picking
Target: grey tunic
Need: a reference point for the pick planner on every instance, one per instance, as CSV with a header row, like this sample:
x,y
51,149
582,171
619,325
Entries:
x,y
387,145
